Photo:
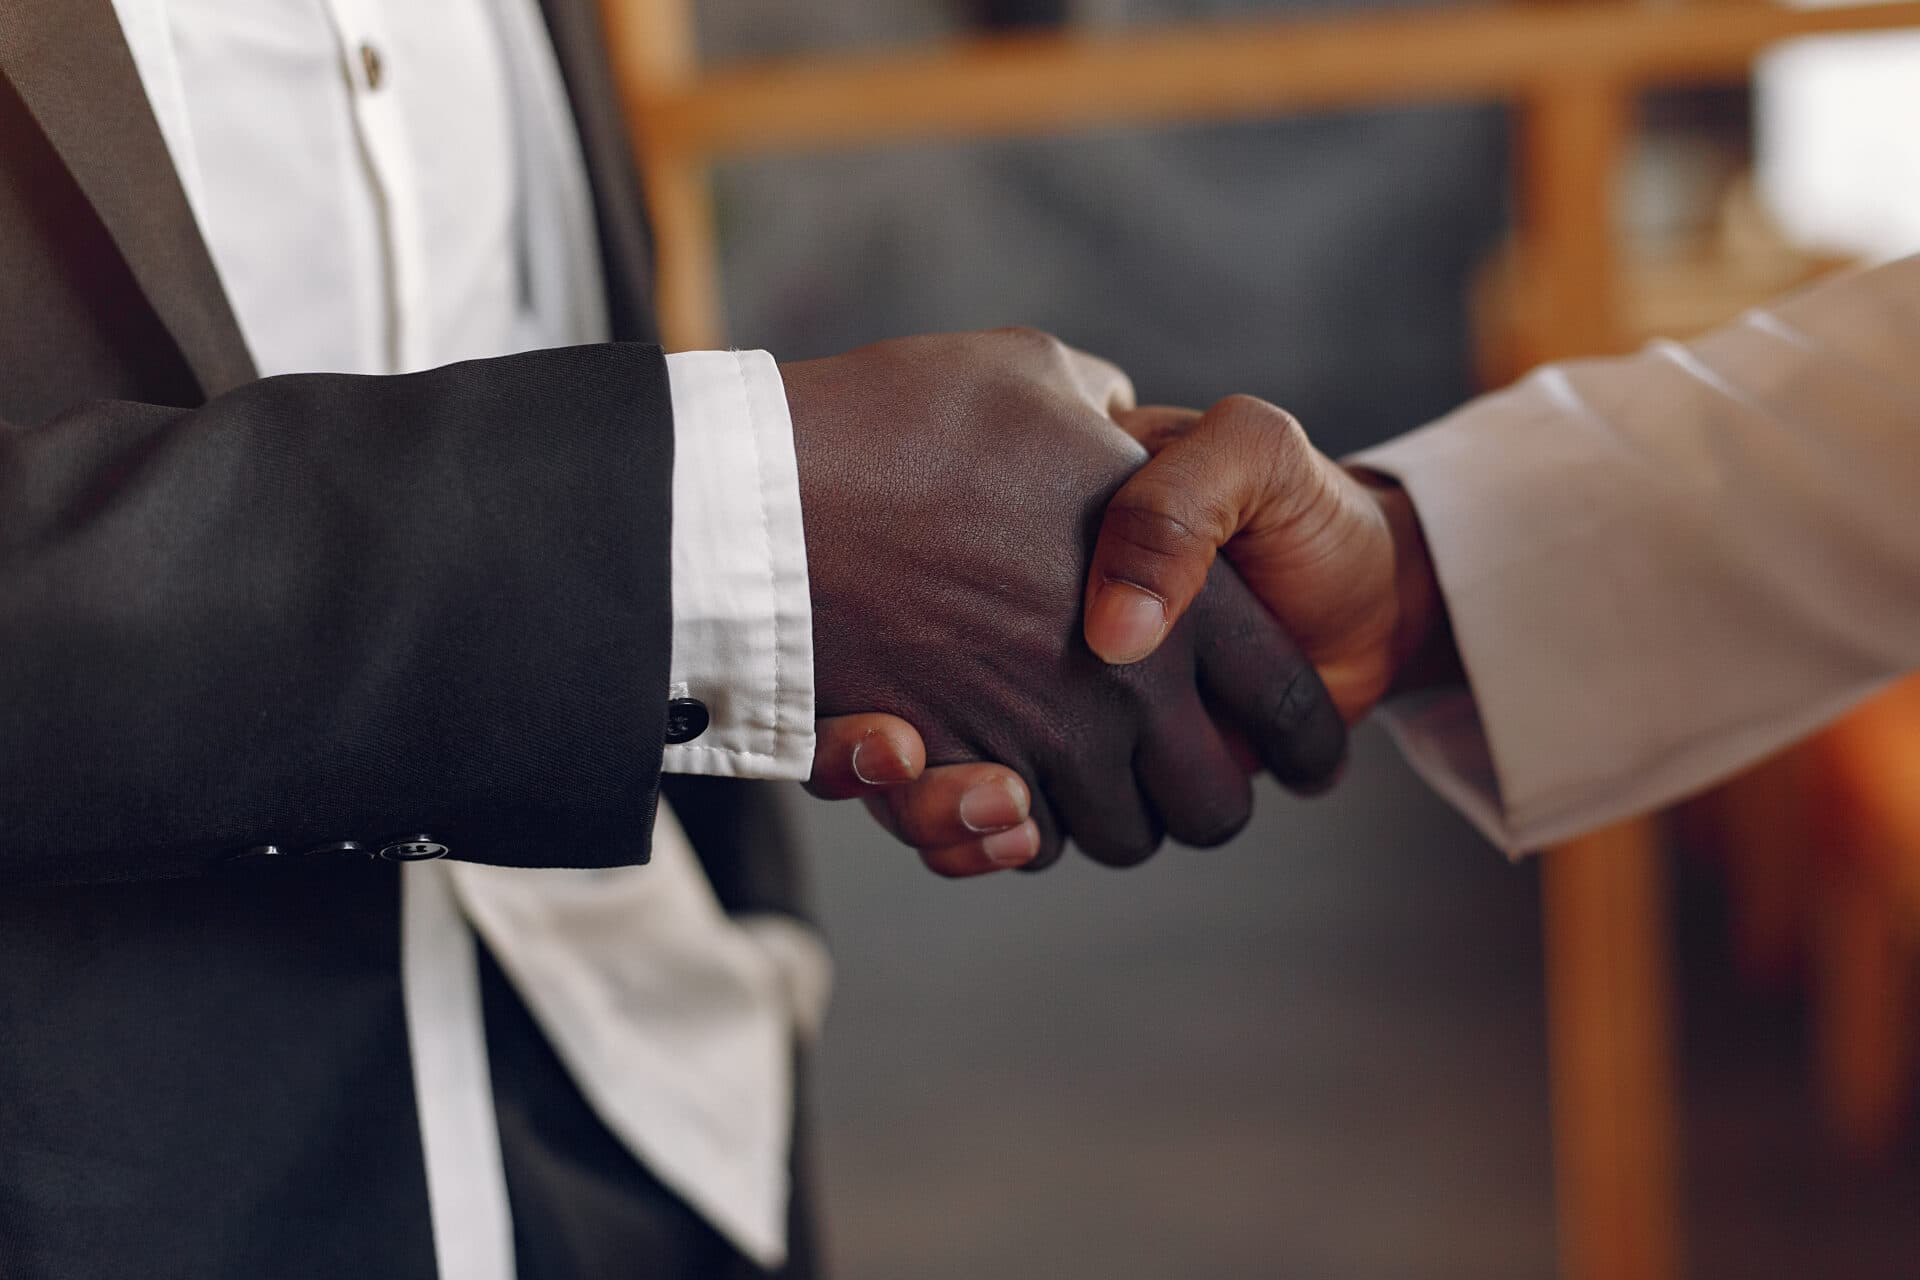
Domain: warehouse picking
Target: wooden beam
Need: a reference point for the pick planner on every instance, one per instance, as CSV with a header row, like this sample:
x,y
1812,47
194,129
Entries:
x,y
651,43
1242,69
1609,997
1573,138
655,56
1610,1032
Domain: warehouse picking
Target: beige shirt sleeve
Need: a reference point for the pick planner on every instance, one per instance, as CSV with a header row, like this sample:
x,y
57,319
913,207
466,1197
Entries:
x,y
1661,568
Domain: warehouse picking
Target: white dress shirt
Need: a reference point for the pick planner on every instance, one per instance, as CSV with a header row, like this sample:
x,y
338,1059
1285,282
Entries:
x,y
1662,568
390,186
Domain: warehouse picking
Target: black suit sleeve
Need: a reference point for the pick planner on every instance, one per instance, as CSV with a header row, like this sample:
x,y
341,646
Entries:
x,y
325,608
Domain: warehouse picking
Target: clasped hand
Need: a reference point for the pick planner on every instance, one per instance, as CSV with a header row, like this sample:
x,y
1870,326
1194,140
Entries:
x,y
1004,592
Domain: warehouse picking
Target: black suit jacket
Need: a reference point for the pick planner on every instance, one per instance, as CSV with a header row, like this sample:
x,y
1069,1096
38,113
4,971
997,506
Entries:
x,y
290,612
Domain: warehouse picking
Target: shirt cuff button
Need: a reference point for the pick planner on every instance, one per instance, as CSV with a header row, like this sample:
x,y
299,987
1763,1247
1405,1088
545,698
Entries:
x,y
686,720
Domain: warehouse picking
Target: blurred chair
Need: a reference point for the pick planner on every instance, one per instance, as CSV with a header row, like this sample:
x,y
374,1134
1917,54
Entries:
x,y
1573,73
1863,818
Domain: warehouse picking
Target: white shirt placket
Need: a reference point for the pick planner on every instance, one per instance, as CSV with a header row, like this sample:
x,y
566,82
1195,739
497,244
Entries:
x,y
365,44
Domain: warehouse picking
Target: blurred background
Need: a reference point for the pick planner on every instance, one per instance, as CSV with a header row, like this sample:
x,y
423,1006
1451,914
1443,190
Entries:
x,y
1324,1050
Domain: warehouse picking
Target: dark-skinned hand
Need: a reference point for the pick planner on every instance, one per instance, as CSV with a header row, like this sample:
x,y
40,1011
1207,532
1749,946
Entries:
x,y
1336,553
952,489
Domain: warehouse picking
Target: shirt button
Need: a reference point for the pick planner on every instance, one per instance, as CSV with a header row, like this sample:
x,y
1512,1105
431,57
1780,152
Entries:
x,y
686,720
414,849
373,66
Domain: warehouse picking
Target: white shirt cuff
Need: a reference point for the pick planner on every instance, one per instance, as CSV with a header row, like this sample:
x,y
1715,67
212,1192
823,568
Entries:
x,y
742,615
1442,738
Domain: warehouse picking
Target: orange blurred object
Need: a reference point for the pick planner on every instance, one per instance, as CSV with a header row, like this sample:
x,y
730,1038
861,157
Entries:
x,y
1863,820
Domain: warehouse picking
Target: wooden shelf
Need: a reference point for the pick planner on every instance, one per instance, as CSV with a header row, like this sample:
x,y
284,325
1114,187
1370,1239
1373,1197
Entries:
x,y
1227,70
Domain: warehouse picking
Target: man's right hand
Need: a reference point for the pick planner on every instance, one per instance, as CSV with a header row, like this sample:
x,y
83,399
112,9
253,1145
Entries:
x,y
1336,554
951,488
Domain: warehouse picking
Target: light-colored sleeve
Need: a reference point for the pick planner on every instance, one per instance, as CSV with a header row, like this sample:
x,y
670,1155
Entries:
x,y
1663,567
742,616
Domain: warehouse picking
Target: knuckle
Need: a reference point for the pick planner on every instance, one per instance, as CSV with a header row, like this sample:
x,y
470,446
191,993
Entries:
x,y
1289,450
1036,341
1160,523
1241,407
1261,425
1163,546
922,823
1292,704
1308,733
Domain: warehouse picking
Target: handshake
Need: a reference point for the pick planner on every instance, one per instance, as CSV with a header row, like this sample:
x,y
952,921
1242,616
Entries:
x,y
1013,574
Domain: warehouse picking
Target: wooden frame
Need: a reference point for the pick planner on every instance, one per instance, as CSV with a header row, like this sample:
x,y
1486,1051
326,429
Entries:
x,y
1573,72
684,117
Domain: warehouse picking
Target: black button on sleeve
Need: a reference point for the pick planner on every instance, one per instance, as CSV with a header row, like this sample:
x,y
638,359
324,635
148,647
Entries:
x,y
348,849
259,853
686,720
420,848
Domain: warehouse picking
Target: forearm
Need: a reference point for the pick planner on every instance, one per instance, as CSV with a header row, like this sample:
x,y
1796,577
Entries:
x,y
325,609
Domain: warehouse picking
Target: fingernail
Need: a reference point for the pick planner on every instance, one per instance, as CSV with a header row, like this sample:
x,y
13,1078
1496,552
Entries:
x,y
1128,621
883,766
993,806
1013,848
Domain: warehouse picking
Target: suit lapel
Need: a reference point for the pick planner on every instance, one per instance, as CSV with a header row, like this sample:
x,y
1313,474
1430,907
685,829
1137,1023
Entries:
x,y
626,253
69,62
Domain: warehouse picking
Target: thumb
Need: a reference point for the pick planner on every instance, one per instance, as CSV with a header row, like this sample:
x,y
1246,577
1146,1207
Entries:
x,y
1207,478
1157,541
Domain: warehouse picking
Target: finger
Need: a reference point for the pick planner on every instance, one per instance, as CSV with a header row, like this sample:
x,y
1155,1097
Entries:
x,y
1104,384
1105,815
1243,753
879,811
859,754
1053,840
1192,778
1163,527
1256,680
1157,425
955,804
1014,847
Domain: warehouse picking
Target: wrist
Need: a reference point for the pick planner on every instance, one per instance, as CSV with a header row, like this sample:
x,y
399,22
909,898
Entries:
x,y
1422,649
